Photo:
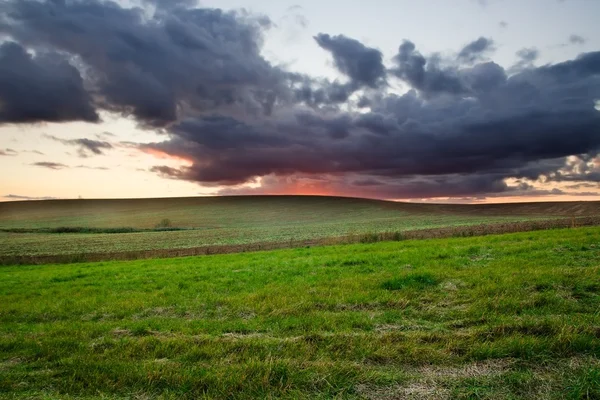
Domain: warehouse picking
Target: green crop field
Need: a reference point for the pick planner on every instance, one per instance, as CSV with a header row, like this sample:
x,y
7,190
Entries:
x,y
513,316
26,227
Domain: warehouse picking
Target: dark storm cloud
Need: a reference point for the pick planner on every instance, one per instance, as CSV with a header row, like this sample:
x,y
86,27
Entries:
x,y
219,132
85,146
476,50
483,78
431,186
520,126
41,88
322,93
153,67
451,188
583,168
170,4
8,152
427,76
576,39
456,187
463,127
362,64
50,165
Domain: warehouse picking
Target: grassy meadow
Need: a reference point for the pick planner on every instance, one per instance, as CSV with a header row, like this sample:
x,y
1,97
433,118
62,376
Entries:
x,y
28,228
513,316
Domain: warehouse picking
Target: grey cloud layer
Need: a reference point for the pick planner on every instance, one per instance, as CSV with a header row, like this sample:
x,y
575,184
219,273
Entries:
x,y
21,197
576,39
179,59
56,165
464,126
50,165
85,146
41,88
476,50
363,65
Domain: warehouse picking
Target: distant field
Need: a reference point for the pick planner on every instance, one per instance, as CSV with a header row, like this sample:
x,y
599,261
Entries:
x,y
239,220
498,317
264,211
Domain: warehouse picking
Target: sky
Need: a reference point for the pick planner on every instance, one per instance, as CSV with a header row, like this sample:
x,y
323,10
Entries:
x,y
463,101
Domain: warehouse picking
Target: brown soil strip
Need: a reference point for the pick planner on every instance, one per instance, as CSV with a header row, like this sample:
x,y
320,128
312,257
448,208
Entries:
x,y
447,232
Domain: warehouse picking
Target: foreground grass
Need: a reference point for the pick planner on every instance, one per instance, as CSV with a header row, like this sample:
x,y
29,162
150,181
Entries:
x,y
498,317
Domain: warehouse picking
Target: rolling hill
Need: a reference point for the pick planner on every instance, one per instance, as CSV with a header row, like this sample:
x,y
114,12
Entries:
x,y
111,227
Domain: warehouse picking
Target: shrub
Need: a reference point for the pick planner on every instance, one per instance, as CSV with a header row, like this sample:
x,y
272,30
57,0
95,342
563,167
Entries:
x,y
82,229
397,236
369,238
164,223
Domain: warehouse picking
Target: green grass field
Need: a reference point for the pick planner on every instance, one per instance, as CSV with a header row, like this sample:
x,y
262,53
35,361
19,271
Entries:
x,y
239,220
499,317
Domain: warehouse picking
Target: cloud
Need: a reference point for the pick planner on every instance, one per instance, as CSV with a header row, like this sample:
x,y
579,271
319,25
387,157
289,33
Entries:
x,y
295,14
526,57
105,135
293,23
464,127
8,152
50,165
356,186
582,168
171,4
476,50
427,76
88,167
19,197
362,64
406,188
576,39
34,152
167,172
86,146
44,87
149,66
455,144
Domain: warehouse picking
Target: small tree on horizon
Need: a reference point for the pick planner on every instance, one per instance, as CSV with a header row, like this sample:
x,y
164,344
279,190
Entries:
x,y
164,223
